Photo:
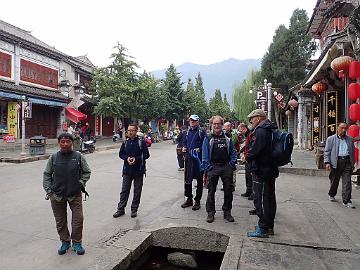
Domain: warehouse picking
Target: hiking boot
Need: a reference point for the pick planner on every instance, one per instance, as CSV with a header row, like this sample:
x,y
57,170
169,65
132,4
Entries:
x,y
349,205
196,206
133,214
210,218
270,231
260,233
252,212
246,194
118,214
65,245
77,247
228,217
251,197
187,203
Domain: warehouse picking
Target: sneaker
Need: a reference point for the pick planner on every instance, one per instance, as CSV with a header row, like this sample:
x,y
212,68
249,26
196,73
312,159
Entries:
x,y
251,197
260,233
228,217
331,199
65,245
246,194
181,169
118,214
196,206
133,214
270,231
252,212
349,205
210,218
77,247
187,203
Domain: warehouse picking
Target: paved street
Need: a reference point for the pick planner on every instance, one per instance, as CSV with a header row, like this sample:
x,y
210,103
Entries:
x,y
310,231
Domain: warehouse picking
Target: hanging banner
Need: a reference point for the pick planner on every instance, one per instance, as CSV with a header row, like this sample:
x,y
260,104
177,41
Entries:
x,y
97,125
331,112
315,123
12,119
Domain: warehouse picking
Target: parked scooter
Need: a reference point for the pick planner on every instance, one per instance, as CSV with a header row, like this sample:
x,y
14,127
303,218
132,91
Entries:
x,y
87,145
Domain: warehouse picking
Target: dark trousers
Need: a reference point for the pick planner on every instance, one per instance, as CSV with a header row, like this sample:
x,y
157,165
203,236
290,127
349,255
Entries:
x,y
264,201
125,192
248,179
77,218
343,170
192,172
226,175
180,158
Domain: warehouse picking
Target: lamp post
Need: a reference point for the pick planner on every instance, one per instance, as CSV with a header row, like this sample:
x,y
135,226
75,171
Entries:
x,y
268,87
23,104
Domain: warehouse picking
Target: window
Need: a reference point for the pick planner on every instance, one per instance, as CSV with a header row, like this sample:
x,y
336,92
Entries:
x,y
38,74
5,65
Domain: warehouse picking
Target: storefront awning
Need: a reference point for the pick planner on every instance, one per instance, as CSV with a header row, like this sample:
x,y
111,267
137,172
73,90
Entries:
x,y
74,115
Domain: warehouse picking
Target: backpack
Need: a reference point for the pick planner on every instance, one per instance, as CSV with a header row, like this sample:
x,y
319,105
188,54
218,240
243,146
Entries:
x,y
281,147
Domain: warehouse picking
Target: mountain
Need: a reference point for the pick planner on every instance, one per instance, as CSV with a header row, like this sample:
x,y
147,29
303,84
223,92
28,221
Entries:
x,y
222,75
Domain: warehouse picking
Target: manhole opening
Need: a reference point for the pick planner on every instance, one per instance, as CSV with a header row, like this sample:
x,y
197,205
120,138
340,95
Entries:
x,y
156,258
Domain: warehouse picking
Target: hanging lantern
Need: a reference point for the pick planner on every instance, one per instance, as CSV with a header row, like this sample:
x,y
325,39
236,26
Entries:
x,y
319,87
354,91
288,113
354,112
341,63
293,103
354,70
354,131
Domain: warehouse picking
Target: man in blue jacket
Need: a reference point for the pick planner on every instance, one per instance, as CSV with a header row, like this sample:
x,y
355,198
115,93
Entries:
x,y
134,152
219,160
192,144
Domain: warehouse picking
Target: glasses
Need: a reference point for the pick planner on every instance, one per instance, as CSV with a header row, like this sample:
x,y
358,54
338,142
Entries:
x,y
217,124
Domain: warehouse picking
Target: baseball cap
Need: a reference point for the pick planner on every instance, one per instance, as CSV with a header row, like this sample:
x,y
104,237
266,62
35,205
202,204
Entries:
x,y
194,117
257,112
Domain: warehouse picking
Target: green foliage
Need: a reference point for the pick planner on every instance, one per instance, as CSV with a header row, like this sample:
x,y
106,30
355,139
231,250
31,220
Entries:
x,y
284,64
220,106
242,98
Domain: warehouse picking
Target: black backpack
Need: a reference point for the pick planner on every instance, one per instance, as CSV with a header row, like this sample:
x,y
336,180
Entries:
x,y
281,147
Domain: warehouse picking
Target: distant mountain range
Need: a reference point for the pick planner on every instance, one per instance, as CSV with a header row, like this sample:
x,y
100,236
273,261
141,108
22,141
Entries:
x,y
222,75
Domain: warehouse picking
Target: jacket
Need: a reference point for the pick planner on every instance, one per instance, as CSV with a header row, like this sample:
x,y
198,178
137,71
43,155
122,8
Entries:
x,y
194,138
259,154
331,152
207,148
131,148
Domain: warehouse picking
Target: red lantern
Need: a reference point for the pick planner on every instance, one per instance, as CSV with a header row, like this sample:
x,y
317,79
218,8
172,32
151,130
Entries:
x,y
319,87
354,70
354,131
288,113
354,91
341,63
354,112
293,103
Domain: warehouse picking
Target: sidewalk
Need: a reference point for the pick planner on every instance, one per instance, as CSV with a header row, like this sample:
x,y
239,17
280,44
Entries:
x,y
10,152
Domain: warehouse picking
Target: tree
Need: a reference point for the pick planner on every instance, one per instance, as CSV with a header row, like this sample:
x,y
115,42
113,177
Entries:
x,y
172,88
202,106
284,64
216,104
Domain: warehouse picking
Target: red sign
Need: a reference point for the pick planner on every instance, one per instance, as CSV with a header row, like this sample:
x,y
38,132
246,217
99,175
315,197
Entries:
x,y
5,65
9,138
279,97
38,74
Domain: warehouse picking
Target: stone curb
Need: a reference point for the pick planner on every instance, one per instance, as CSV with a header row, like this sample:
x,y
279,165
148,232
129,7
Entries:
x,y
298,171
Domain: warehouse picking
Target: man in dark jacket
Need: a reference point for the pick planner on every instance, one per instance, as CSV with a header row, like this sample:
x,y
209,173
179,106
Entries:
x,y
219,161
263,172
192,144
134,152
64,179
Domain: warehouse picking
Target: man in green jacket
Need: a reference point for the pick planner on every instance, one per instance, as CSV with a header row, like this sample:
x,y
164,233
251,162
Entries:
x,y
64,179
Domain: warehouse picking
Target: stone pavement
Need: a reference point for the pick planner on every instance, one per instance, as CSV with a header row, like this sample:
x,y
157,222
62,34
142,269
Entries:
x,y
310,231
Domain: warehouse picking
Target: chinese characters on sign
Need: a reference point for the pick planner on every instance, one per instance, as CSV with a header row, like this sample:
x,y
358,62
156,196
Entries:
x,y
331,113
28,110
12,119
316,123
97,125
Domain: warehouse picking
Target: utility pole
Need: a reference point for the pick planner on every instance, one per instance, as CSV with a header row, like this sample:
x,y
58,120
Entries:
x,y
23,104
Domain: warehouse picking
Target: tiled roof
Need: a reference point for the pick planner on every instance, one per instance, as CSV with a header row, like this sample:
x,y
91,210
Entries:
x,y
32,91
84,59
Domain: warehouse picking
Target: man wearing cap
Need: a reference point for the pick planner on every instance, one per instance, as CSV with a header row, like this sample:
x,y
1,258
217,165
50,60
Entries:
x,y
192,144
263,173
65,177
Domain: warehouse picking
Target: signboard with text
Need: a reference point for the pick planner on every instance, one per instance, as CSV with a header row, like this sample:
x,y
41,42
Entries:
x,y
331,112
12,119
261,100
316,123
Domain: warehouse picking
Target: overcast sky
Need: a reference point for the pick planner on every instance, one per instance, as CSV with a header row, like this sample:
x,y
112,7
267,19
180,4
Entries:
x,y
156,32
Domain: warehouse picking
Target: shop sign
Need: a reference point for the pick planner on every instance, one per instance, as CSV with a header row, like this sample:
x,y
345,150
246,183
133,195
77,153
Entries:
x,y
316,123
9,138
28,110
331,111
12,119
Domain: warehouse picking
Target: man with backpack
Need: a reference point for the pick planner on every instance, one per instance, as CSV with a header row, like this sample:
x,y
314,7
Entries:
x,y
65,177
192,144
134,152
219,161
263,171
